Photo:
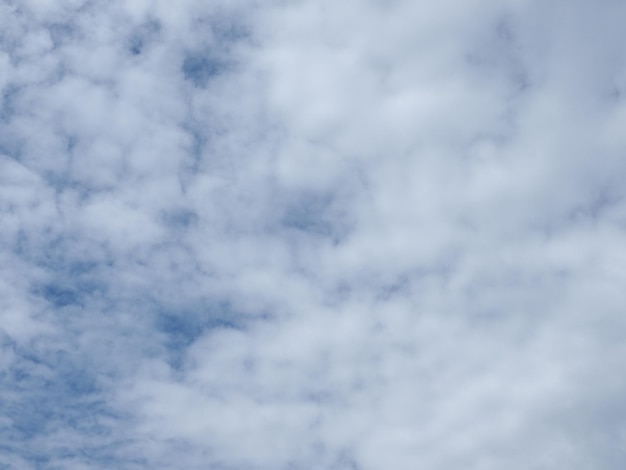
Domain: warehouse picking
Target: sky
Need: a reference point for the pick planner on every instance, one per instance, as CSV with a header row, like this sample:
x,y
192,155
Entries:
x,y
312,234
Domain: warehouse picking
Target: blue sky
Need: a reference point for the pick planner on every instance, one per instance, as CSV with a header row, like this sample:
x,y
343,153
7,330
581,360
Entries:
x,y
312,234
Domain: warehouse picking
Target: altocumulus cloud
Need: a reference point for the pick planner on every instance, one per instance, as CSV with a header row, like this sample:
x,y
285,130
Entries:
x,y
312,234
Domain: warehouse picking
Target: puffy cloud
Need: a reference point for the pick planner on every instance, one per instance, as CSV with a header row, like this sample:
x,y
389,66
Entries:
x,y
303,234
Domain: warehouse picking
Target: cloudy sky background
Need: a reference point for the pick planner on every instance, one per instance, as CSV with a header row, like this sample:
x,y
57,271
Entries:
x,y
311,234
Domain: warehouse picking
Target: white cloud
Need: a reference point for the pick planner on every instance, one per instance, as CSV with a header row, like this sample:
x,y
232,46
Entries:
x,y
305,234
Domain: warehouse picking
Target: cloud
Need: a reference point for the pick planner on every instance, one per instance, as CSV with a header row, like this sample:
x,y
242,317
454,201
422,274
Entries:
x,y
312,235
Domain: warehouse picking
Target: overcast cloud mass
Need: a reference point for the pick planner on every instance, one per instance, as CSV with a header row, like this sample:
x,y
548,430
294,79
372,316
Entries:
x,y
313,234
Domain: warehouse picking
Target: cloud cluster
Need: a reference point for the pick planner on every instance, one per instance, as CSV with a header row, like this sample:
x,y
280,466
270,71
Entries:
x,y
312,234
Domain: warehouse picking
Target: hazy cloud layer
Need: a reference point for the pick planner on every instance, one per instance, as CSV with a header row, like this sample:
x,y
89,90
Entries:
x,y
312,234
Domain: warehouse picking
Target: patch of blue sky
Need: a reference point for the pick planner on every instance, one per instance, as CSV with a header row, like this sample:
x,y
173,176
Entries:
x,y
61,457
184,328
214,55
46,392
39,402
179,329
61,296
76,270
200,68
